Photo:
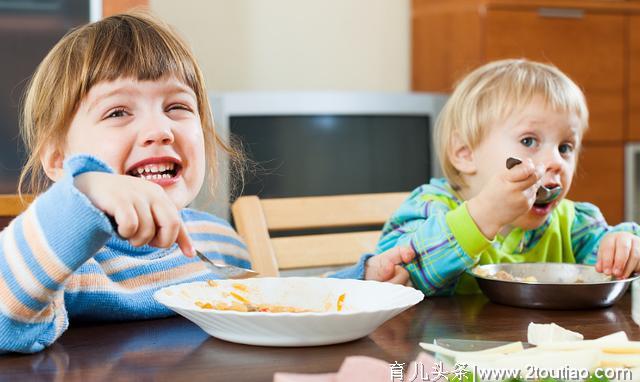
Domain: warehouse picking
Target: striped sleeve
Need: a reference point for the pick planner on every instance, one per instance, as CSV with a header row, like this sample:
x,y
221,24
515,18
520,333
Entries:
x,y
38,251
446,242
588,229
216,238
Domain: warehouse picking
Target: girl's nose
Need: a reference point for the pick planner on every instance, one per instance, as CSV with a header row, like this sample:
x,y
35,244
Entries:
x,y
157,133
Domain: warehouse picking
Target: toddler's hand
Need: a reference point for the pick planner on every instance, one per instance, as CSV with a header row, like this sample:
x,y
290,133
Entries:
x,y
507,195
619,254
143,212
387,266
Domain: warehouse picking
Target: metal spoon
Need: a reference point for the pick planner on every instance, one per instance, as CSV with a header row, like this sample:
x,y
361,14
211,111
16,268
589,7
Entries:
x,y
544,194
223,271
226,271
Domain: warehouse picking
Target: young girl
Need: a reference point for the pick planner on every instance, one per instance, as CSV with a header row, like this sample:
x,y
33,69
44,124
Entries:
x,y
485,213
117,116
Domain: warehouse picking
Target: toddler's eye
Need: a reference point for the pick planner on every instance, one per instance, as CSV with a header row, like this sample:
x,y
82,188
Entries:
x,y
565,148
117,113
529,141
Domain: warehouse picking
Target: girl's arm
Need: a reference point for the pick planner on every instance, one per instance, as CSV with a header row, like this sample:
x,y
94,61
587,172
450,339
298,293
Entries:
x,y
589,227
39,250
446,241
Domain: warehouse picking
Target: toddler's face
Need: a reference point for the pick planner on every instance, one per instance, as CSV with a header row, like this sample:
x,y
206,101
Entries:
x,y
550,138
147,129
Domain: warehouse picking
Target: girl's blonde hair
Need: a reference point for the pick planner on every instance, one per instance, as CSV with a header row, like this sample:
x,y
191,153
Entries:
x,y
132,45
493,92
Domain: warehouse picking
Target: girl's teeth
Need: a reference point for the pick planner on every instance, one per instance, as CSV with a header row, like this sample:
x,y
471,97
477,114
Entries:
x,y
149,171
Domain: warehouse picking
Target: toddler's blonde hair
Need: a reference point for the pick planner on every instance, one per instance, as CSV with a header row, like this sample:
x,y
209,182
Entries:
x,y
131,45
493,92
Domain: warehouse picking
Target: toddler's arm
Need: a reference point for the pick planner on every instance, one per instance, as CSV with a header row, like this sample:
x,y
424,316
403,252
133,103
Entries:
x,y
444,237
59,231
590,236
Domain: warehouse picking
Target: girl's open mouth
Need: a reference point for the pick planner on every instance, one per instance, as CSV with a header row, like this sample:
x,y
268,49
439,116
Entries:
x,y
163,171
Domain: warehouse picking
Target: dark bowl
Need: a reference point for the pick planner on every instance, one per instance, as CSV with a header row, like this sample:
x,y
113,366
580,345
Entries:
x,y
557,286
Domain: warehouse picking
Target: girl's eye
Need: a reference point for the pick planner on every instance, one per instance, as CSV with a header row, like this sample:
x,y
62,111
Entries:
x,y
178,107
117,113
565,148
529,141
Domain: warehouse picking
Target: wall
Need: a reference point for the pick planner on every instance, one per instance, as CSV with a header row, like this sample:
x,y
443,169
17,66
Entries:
x,y
296,44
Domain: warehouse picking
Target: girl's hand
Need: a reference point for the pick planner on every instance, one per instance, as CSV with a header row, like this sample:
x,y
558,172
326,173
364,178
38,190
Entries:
x,y
387,266
143,212
619,254
508,195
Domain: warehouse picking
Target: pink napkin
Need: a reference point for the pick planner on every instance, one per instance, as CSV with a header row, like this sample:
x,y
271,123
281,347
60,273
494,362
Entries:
x,y
363,369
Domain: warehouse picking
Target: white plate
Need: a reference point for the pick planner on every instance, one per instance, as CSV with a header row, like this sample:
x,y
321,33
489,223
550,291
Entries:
x,y
367,305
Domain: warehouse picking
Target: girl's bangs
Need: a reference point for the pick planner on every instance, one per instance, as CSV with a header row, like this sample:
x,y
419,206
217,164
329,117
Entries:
x,y
140,52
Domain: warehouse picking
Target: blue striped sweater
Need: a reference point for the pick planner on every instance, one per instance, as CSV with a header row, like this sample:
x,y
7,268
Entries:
x,y
62,260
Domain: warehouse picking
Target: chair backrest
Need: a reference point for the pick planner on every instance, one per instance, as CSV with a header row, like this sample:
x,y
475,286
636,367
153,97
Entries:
x,y
11,206
256,219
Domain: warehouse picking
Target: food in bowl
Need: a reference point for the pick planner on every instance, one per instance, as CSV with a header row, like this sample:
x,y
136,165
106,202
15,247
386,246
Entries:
x,y
504,276
558,285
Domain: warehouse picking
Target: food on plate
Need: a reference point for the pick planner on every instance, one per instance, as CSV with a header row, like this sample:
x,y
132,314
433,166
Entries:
x,y
359,315
239,301
340,302
248,307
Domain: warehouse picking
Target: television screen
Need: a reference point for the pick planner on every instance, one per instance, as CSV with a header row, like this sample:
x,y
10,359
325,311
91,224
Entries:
x,y
28,30
334,154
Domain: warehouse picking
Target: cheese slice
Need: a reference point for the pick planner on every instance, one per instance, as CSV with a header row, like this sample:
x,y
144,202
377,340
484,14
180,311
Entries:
x,y
616,337
548,333
556,361
611,347
619,360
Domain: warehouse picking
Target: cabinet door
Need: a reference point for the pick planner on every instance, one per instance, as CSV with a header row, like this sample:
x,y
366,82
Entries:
x,y
587,47
633,130
112,7
446,45
599,179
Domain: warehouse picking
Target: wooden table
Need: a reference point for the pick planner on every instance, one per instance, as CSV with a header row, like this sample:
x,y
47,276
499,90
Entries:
x,y
175,349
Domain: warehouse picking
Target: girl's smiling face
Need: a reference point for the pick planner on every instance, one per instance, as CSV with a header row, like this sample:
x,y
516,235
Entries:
x,y
146,129
548,137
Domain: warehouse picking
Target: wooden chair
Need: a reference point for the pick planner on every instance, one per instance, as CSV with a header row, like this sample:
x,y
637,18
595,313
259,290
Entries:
x,y
256,219
11,206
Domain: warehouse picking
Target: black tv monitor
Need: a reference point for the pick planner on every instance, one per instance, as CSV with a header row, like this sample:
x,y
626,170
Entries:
x,y
325,143
28,30
308,155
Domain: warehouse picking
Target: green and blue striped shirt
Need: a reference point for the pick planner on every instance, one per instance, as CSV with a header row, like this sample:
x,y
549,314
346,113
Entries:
x,y
435,222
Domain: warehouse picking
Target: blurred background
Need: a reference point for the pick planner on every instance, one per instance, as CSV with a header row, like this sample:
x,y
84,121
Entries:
x,y
315,48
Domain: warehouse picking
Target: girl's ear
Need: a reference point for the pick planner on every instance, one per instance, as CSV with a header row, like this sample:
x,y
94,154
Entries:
x,y
52,160
461,156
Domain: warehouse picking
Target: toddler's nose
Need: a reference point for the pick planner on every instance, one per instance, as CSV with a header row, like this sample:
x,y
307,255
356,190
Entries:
x,y
553,161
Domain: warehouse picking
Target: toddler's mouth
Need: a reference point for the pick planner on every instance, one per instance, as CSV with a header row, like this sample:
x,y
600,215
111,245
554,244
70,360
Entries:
x,y
542,208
